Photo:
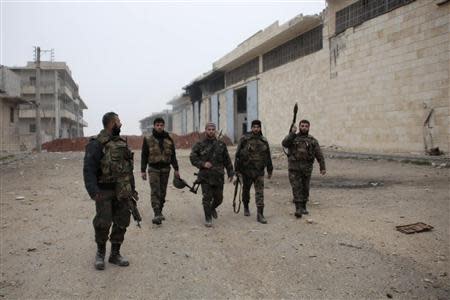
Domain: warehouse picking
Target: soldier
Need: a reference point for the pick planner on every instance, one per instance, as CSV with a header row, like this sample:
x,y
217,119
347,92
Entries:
x,y
252,157
303,149
211,157
158,151
108,177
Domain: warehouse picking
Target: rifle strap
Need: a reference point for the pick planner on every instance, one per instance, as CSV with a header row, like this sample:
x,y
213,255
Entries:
x,y
236,210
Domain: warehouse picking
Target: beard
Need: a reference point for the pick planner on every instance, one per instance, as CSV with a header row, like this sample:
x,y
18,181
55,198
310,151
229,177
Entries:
x,y
304,132
115,131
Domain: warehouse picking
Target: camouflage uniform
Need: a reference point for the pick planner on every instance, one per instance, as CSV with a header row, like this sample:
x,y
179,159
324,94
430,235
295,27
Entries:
x,y
212,179
108,172
252,157
158,151
303,149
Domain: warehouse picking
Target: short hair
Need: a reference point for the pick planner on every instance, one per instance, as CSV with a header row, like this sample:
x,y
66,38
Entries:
x,y
159,120
256,122
108,117
304,122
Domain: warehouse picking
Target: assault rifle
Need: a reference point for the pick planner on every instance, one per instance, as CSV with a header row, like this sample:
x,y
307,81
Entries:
x,y
237,182
132,205
286,151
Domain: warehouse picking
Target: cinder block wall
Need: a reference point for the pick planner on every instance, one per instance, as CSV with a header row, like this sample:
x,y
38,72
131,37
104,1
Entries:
x,y
371,87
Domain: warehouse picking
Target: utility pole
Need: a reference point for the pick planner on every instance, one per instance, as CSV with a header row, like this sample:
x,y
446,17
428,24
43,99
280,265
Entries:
x,y
38,100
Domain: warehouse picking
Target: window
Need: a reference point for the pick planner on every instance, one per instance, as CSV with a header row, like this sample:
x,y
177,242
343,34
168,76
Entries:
x,y
32,128
302,45
11,114
32,80
242,72
364,10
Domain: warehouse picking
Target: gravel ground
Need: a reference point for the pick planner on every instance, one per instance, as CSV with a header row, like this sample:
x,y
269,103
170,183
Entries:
x,y
346,248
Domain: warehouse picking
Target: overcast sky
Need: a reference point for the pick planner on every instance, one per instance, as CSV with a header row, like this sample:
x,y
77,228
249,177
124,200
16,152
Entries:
x,y
132,58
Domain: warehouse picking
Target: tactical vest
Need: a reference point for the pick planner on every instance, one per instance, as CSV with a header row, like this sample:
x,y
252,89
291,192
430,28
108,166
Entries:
x,y
255,149
155,153
302,149
116,164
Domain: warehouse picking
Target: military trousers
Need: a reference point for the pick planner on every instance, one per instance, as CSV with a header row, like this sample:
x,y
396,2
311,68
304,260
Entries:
x,y
300,180
247,183
110,211
212,195
158,179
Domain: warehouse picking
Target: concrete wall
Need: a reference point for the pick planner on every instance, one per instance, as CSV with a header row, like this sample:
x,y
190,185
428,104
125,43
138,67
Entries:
x,y
190,118
370,87
9,82
9,139
176,122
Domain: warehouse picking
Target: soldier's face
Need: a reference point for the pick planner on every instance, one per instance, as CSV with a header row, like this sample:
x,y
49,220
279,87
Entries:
x,y
256,129
304,128
210,131
115,126
159,127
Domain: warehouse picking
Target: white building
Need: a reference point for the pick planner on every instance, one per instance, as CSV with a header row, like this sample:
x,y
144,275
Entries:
x,y
369,75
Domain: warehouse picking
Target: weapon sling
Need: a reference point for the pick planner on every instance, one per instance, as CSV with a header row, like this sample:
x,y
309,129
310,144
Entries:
x,y
236,191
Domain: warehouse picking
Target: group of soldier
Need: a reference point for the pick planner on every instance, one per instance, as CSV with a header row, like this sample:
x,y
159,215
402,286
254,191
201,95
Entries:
x,y
109,180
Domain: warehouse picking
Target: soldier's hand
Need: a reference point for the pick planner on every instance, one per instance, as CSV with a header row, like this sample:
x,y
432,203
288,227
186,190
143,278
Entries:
x,y
230,179
269,175
207,165
177,174
294,129
144,175
323,172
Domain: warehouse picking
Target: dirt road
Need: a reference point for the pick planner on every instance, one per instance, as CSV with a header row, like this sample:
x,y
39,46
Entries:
x,y
348,249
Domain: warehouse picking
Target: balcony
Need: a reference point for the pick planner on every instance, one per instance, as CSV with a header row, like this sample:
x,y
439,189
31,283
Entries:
x,y
65,91
31,113
31,89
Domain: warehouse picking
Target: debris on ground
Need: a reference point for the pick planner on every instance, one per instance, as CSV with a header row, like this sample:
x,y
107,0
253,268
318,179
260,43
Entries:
x,y
414,228
349,245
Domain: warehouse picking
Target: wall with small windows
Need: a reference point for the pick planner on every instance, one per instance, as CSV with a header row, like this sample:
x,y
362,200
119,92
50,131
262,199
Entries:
x,y
380,85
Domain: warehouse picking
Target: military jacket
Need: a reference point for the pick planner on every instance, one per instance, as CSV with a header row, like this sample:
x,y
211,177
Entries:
x,y
109,163
216,153
158,153
303,149
253,155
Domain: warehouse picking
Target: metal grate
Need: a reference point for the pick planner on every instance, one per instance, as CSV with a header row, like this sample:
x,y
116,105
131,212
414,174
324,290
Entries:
x,y
364,10
242,72
304,44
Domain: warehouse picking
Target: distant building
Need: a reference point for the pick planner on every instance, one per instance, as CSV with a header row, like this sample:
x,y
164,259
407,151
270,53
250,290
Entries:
x,y
369,75
9,111
61,105
182,118
147,123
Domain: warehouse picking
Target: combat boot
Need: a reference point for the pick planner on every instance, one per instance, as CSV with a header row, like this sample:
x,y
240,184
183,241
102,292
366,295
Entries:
x,y
157,218
214,213
246,210
298,210
116,258
161,215
304,210
260,216
208,220
100,257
